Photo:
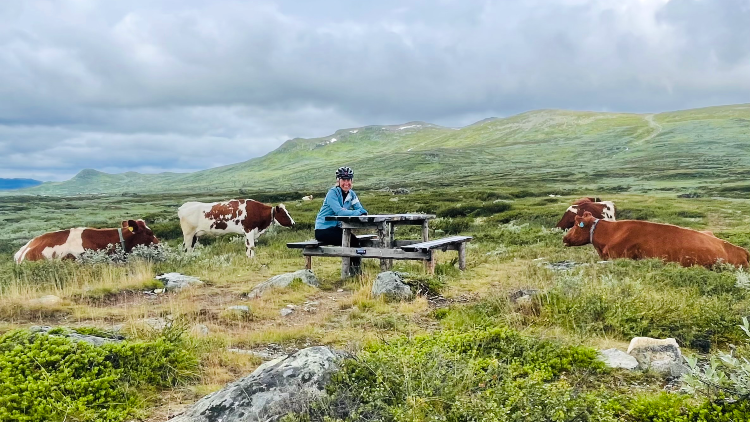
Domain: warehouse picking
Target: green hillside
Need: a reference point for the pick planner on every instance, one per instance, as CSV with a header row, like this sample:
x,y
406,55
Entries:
x,y
565,149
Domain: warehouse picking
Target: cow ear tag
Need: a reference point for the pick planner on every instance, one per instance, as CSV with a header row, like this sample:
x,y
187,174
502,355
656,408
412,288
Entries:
x,y
581,224
131,228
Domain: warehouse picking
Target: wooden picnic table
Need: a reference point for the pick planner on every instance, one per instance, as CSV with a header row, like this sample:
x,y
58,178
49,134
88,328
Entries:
x,y
385,224
384,246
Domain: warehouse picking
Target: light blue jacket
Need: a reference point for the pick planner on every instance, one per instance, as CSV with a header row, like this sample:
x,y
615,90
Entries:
x,y
334,204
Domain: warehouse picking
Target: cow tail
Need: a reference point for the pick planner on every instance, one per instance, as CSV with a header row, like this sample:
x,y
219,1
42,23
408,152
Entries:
x,y
18,257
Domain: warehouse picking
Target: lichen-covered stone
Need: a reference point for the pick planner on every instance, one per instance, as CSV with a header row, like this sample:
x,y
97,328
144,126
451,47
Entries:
x,y
277,387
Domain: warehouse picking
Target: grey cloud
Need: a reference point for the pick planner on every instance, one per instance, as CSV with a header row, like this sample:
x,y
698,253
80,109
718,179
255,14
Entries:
x,y
85,80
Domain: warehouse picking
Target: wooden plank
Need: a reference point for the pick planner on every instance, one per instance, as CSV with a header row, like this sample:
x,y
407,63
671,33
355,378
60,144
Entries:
x,y
372,225
308,263
438,243
378,218
305,244
340,251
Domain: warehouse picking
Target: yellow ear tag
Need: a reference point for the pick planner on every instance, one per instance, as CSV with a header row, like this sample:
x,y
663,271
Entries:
x,y
130,228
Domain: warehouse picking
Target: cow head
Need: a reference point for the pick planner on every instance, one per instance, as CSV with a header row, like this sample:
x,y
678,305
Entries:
x,y
281,215
142,234
568,219
579,234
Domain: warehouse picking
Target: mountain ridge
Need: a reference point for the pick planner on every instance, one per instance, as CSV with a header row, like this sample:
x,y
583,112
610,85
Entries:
x,y
649,151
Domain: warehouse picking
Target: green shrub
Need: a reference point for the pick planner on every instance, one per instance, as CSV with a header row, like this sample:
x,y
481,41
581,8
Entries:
x,y
51,378
475,375
452,225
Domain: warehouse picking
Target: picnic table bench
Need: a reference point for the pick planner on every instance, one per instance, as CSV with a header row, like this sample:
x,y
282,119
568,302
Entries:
x,y
384,246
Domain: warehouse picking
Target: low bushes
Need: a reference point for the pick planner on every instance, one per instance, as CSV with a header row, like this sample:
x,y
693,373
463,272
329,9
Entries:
x,y
51,378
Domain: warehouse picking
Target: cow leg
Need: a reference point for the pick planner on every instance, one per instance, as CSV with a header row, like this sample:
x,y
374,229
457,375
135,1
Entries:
x,y
189,241
250,244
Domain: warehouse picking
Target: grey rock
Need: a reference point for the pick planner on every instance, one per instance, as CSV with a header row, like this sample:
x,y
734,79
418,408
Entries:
x,y
286,311
176,281
283,385
401,191
660,355
156,323
72,335
239,309
562,265
48,300
284,280
390,285
200,330
523,296
615,358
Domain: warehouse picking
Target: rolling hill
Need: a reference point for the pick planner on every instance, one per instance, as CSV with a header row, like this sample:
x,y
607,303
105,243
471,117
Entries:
x,y
557,148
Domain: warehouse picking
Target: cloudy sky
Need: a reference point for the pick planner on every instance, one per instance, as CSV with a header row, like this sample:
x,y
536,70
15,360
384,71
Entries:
x,y
183,85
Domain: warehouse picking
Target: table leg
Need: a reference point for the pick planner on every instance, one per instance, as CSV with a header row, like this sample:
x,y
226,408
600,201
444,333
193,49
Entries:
x,y
384,243
462,256
345,261
429,266
308,263
391,241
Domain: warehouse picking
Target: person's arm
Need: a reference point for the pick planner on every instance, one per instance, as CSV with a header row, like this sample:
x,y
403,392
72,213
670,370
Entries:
x,y
333,202
358,206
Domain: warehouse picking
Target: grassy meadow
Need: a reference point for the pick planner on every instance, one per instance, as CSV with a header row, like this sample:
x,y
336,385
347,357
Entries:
x,y
462,350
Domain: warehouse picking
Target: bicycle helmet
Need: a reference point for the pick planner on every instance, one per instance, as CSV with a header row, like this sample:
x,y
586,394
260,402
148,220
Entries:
x,y
345,173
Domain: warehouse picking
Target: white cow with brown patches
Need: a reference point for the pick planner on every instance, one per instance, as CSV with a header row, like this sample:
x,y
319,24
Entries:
x,y
604,210
240,216
71,243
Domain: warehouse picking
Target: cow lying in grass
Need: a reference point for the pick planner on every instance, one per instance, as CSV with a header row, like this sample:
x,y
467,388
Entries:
x,y
604,210
71,243
643,239
246,217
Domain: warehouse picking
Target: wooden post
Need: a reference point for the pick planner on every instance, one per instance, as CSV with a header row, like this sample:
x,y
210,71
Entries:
x,y
308,262
391,241
462,256
345,261
429,266
431,263
384,243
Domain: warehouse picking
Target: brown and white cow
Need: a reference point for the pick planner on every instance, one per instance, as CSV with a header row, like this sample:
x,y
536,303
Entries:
x,y
635,239
241,216
599,209
71,243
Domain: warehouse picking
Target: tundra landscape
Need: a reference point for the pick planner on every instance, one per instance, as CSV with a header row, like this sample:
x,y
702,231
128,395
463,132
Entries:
x,y
517,336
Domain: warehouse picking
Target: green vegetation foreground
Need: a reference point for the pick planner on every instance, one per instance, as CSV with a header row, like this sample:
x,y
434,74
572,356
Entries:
x,y
462,350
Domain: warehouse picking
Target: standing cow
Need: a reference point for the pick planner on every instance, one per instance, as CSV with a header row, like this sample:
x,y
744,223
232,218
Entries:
x,y
635,239
241,216
71,243
604,210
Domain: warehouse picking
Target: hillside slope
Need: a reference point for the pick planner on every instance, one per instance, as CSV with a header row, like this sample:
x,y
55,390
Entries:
x,y
555,147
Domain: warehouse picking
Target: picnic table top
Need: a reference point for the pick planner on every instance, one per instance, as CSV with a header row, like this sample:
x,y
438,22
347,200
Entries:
x,y
379,218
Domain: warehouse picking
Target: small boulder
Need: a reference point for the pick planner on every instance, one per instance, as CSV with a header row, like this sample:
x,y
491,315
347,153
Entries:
x,y
615,358
286,311
390,285
73,335
177,281
661,355
283,385
284,280
239,309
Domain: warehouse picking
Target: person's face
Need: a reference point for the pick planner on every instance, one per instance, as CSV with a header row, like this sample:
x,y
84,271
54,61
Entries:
x,y
345,184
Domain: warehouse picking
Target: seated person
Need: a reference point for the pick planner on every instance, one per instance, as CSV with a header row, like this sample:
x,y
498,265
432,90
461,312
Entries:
x,y
340,200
